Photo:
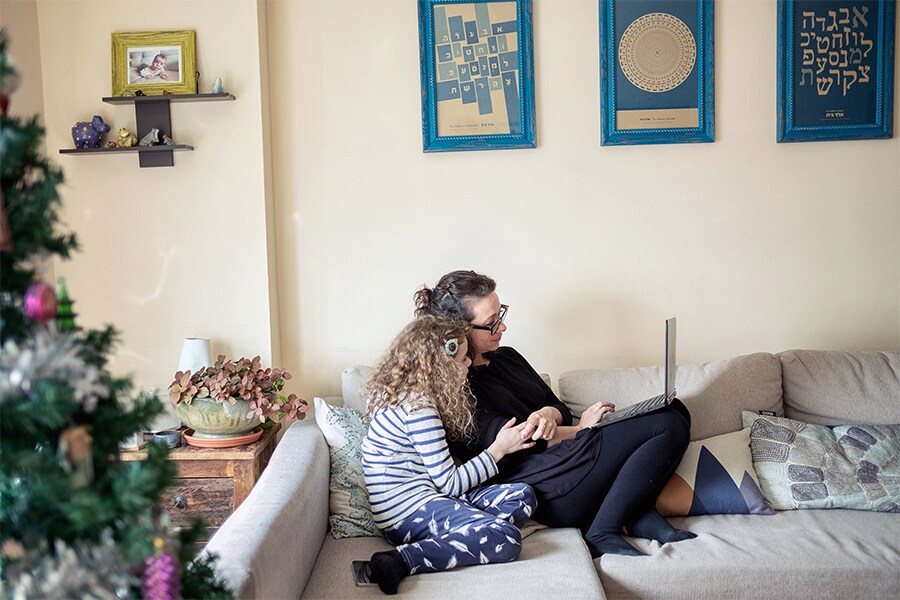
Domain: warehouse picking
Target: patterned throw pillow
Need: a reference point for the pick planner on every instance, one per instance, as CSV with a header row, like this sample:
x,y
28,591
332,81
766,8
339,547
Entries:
x,y
344,430
715,477
813,466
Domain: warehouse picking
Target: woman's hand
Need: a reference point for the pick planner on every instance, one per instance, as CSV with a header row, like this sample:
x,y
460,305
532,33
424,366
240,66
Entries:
x,y
594,414
541,424
509,440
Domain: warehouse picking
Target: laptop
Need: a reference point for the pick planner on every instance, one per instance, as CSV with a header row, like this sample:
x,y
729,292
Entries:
x,y
656,402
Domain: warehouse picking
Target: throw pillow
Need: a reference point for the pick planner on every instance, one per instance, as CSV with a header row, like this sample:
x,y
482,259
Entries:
x,y
344,430
715,477
813,466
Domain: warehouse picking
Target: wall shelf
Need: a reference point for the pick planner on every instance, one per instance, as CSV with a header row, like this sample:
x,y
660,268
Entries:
x,y
152,112
134,148
170,97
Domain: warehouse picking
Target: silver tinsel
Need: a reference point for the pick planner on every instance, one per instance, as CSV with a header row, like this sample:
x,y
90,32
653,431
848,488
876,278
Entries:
x,y
48,356
82,571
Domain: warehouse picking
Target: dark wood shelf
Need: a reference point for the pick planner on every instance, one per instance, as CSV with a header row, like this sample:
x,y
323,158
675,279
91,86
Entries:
x,y
169,97
152,112
135,148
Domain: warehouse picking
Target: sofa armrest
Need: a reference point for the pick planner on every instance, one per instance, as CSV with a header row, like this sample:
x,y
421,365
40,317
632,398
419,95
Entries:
x,y
269,546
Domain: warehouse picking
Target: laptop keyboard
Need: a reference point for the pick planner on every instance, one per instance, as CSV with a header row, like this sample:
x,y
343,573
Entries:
x,y
634,410
646,405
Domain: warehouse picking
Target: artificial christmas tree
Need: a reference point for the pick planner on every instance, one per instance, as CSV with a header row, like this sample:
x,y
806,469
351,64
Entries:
x,y
74,520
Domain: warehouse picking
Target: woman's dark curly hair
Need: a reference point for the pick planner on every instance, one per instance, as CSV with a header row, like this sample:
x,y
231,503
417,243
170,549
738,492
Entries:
x,y
453,295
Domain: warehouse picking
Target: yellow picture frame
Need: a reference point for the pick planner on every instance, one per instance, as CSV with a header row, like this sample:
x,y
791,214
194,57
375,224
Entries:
x,y
153,61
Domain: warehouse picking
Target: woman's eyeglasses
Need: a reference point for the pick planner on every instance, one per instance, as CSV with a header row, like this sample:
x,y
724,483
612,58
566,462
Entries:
x,y
493,327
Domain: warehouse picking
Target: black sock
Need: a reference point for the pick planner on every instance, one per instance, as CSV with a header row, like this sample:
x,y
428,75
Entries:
x,y
388,570
610,543
653,526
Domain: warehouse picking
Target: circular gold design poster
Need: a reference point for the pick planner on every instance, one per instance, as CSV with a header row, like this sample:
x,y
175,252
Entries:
x,y
657,52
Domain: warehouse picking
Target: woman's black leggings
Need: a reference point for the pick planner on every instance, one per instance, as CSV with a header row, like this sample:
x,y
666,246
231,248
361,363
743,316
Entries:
x,y
637,458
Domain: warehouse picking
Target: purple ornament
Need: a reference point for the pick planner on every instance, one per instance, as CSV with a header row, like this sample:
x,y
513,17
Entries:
x,y
162,580
40,302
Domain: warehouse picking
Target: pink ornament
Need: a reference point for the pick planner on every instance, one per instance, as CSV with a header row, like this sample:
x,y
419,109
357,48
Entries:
x,y
162,578
40,302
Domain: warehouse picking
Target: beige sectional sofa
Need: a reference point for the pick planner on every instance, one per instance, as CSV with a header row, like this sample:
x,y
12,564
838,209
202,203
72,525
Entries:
x,y
277,544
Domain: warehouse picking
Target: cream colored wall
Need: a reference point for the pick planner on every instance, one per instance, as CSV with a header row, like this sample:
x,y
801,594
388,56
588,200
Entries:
x,y
167,253
755,246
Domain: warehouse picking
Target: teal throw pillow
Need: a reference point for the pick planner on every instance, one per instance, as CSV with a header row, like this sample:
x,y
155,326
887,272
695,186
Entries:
x,y
800,465
344,430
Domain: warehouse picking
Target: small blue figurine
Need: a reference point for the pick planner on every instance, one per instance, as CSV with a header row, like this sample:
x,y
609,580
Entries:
x,y
87,135
217,86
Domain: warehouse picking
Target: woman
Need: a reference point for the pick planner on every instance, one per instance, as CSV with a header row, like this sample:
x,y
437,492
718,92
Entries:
x,y
597,479
439,516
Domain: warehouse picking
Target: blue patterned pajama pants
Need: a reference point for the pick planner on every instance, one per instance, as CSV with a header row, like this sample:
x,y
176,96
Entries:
x,y
477,528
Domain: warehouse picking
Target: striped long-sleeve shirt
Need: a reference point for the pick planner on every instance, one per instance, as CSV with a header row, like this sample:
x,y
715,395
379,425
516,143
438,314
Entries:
x,y
406,463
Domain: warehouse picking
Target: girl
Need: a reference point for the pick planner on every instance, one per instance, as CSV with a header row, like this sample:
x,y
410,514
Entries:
x,y
432,510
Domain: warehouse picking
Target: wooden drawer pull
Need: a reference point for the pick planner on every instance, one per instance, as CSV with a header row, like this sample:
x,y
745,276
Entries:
x,y
180,502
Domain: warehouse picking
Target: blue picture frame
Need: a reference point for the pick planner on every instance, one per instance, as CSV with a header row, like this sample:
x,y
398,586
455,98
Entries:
x,y
477,74
656,72
821,43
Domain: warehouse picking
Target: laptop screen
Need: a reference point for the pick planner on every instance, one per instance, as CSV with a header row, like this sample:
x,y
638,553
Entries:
x,y
670,357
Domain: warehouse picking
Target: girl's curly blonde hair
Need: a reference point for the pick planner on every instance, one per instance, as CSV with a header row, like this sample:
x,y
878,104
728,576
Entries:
x,y
416,372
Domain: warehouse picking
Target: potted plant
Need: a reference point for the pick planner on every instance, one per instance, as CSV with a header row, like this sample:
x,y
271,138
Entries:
x,y
232,398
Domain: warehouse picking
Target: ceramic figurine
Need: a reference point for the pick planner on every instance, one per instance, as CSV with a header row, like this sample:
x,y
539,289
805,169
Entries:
x,y
127,94
75,455
151,139
126,139
168,141
111,144
167,93
139,93
217,86
87,135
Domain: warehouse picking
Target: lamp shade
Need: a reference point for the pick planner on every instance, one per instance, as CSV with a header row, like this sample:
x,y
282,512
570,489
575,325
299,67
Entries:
x,y
194,354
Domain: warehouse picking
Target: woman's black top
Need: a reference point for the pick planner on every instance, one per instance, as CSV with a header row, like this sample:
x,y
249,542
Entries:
x,y
509,387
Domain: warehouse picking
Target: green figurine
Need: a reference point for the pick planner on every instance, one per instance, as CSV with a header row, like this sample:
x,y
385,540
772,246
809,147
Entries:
x,y
65,318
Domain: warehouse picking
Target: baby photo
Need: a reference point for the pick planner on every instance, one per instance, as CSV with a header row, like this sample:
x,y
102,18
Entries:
x,y
154,65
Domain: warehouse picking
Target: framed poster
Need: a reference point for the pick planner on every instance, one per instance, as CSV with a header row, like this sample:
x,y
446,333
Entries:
x,y
153,61
835,69
656,72
477,69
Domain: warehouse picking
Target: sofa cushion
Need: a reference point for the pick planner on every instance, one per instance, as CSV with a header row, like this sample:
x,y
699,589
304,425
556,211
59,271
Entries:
x,y
344,430
715,392
813,466
835,388
715,476
554,563
798,554
352,381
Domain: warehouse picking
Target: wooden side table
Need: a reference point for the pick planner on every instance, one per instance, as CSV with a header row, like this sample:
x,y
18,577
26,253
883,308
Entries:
x,y
212,482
